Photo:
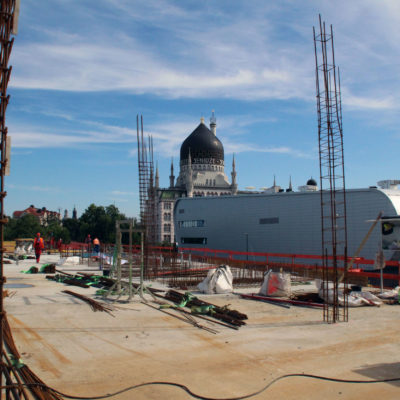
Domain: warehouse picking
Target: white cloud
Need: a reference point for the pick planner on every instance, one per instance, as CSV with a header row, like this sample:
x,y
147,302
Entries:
x,y
28,136
181,49
33,188
238,148
224,60
370,103
122,193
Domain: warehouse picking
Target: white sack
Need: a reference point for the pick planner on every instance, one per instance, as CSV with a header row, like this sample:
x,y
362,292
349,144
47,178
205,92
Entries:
x,y
276,284
74,260
203,286
217,281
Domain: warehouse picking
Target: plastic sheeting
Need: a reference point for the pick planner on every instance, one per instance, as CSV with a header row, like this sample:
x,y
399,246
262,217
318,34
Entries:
x,y
74,260
354,299
393,294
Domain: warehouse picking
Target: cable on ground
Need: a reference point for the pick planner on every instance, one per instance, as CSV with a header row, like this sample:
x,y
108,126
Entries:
x,y
197,396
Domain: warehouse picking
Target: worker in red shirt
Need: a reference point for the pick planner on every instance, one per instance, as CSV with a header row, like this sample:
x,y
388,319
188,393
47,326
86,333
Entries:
x,y
38,244
88,243
59,245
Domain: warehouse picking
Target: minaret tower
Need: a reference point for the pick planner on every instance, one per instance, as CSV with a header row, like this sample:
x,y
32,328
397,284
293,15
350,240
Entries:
x,y
213,124
172,177
290,189
189,177
233,174
157,179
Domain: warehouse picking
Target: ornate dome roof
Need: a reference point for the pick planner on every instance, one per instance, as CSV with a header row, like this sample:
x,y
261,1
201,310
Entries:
x,y
311,182
202,143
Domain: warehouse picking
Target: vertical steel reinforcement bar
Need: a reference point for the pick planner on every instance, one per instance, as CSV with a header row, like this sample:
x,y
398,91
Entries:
x,y
147,194
8,25
332,179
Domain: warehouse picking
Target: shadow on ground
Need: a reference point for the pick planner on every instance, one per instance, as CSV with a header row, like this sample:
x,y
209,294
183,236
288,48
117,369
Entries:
x,y
382,371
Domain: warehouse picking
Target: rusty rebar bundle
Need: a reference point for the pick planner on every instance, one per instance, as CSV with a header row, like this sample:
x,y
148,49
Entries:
x,y
24,375
225,314
94,304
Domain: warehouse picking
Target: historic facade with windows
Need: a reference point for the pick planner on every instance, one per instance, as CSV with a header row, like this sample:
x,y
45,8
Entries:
x,y
202,173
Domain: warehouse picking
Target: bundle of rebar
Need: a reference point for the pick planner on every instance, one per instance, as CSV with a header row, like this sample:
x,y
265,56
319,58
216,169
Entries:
x,y
95,305
186,317
23,374
225,314
67,280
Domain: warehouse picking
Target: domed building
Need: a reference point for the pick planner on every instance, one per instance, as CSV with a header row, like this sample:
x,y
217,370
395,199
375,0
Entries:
x,y
202,164
311,186
202,173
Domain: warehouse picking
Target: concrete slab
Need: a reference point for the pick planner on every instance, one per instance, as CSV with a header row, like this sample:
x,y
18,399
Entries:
x,y
86,353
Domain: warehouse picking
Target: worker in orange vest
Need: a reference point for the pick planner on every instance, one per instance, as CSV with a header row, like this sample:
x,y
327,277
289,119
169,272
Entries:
x,y
38,244
96,244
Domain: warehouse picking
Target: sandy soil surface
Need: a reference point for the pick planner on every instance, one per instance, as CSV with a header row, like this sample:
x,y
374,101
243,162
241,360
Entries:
x,y
86,353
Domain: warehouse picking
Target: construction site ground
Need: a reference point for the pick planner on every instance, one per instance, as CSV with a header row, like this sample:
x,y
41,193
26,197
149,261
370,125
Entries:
x,y
89,354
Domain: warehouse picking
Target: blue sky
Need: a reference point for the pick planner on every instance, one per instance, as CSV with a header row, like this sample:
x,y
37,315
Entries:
x,y
83,70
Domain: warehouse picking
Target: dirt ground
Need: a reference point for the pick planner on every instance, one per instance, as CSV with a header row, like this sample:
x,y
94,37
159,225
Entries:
x,y
86,353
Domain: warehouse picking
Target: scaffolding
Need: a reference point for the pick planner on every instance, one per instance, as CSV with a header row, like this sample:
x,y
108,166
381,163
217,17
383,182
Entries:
x,y
332,178
8,25
147,194
122,287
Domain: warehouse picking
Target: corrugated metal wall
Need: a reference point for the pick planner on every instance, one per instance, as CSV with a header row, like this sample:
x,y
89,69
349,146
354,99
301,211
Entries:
x,y
290,222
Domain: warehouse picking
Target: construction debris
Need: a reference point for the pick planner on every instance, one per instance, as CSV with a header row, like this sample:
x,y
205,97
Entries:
x,y
73,260
95,305
7,293
198,306
281,300
22,373
31,270
48,269
68,280
390,296
352,299
357,299
186,317
44,269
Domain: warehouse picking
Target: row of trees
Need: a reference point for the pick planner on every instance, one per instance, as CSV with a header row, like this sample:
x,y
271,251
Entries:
x,y
98,221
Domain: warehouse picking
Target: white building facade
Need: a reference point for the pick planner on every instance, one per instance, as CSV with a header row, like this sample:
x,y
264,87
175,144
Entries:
x,y
282,222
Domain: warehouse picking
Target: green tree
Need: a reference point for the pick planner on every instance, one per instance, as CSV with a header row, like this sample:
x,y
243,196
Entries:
x,y
74,228
25,227
57,231
99,221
